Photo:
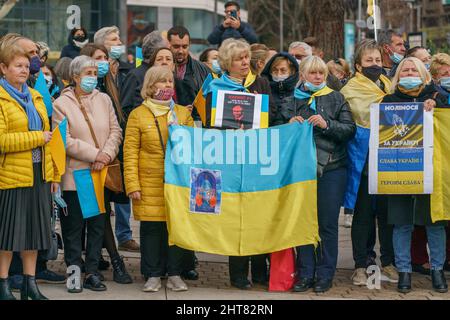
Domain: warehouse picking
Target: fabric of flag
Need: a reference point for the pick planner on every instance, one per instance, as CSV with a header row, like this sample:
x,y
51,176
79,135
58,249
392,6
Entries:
x,y
222,199
440,198
139,57
370,7
41,87
360,92
58,146
200,99
90,187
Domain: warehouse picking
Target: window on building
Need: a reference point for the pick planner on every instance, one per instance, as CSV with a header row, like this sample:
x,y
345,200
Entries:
x,y
141,21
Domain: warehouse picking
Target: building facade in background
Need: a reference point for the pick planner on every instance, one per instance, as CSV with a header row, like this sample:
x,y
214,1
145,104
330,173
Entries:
x,y
198,16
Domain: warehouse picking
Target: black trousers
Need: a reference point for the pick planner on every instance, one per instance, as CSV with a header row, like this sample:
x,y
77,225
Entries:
x,y
72,226
369,210
157,258
238,267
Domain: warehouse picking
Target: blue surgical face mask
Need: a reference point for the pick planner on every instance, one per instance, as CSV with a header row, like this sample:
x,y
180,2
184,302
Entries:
x,y
313,87
57,198
216,67
428,66
396,58
280,78
445,83
116,52
410,82
103,69
88,84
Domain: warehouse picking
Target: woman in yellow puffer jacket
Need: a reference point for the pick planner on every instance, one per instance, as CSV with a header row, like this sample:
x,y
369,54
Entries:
x,y
26,171
144,149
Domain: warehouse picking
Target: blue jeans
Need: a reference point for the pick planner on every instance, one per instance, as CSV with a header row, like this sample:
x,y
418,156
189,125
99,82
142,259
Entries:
x,y
402,246
123,229
330,195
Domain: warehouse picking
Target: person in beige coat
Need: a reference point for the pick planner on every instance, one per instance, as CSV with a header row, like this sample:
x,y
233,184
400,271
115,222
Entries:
x,y
76,101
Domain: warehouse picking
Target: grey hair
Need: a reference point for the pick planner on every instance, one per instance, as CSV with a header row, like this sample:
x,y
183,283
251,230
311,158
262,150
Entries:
x,y
385,36
100,35
79,64
151,42
62,68
43,47
303,45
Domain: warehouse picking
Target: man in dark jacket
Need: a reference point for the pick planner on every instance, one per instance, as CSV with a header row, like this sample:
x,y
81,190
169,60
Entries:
x,y
232,27
78,38
189,73
130,93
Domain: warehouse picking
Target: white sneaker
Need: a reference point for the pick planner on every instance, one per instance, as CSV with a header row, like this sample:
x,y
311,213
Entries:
x,y
359,277
175,283
153,284
348,219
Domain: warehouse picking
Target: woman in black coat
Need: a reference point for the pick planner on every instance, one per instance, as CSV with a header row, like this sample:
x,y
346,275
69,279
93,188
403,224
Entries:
x,y
78,38
333,123
234,59
282,71
412,83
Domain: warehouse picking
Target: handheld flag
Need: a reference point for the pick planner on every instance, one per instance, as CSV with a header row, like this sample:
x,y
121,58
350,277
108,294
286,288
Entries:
x,y
90,189
229,202
58,146
200,100
139,57
41,87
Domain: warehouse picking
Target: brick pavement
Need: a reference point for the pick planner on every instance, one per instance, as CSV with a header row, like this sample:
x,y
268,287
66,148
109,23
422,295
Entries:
x,y
214,281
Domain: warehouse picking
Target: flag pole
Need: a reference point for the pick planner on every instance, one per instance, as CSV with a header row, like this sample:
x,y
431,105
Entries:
x,y
375,19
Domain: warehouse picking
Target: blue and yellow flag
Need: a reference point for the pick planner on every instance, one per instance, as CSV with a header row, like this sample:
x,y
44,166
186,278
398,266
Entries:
x,y
58,146
241,192
90,190
139,57
440,198
41,87
200,99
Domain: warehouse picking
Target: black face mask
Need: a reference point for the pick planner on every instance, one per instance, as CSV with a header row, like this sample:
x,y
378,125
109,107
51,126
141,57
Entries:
x,y
373,72
79,38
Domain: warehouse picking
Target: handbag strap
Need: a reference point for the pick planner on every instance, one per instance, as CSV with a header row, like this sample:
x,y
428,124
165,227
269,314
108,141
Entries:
x,y
161,140
85,115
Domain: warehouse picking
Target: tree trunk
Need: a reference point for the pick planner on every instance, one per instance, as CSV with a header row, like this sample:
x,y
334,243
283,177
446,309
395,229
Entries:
x,y
325,21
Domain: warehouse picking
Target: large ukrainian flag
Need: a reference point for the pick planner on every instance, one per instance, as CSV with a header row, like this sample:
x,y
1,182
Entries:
x,y
254,212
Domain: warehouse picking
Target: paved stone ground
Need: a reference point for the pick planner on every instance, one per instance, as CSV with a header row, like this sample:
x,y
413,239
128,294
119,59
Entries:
x,y
214,282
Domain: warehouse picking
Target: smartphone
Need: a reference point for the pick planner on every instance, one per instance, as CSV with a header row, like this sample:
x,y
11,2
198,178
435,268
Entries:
x,y
233,14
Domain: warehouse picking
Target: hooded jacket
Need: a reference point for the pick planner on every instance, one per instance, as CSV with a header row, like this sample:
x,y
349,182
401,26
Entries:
x,y
71,50
282,92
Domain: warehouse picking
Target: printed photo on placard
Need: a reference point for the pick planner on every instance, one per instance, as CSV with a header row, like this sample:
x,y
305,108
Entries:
x,y
238,110
206,191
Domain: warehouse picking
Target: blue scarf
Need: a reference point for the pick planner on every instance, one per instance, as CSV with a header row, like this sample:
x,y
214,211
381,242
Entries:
x,y
25,99
223,83
300,93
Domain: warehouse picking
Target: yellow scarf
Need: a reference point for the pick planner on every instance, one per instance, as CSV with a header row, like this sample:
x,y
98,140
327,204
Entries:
x,y
360,92
159,108
415,92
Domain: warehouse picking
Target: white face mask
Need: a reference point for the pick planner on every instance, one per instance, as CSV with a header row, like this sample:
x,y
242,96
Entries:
x,y
280,78
298,61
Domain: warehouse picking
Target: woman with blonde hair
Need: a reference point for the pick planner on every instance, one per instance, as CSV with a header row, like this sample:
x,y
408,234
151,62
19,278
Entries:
x,y
259,57
340,69
27,173
412,83
234,59
328,112
144,152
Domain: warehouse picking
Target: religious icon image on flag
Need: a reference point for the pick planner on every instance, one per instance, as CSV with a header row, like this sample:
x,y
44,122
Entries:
x,y
206,191
239,110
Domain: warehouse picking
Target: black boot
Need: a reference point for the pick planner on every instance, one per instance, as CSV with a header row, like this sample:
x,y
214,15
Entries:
x,y
438,280
120,274
404,282
5,291
30,289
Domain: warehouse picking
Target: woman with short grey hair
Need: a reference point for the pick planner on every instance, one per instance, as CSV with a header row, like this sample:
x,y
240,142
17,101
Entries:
x,y
93,139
